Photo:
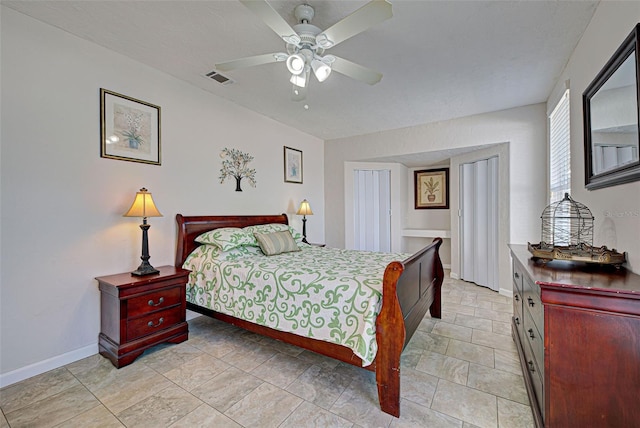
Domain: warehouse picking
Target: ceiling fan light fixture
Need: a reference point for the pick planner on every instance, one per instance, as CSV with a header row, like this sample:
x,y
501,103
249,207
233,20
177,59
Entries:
x,y
299,80
280,57
294,39
323,41
295,64
321,70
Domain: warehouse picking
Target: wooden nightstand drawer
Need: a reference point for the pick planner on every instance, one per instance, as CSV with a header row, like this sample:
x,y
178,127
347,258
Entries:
x,y
153,301
152,323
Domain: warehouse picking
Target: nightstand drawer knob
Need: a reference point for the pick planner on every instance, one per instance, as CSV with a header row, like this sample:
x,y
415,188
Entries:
x,y
160,321
160,301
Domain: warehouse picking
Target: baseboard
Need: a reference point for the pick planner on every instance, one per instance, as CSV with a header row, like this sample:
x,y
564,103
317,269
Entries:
x,y
508,292
46,365
454,275
444,266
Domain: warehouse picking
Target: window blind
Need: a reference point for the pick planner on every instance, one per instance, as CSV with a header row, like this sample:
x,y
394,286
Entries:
x,y
559,153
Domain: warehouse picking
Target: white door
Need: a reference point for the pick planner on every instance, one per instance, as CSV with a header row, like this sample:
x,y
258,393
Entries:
x,y
372,210
479,222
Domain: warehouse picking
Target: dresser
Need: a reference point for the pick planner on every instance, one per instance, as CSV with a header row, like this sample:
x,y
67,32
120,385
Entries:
x,y
577,330
138,312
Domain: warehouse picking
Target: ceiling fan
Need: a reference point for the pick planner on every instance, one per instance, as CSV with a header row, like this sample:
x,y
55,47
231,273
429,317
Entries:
x,y
306,44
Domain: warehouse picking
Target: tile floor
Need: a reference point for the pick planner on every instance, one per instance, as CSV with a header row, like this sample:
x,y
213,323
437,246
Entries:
x,y
460,371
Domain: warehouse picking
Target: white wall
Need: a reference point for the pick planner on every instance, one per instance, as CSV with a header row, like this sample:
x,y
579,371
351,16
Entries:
x,y
62,204
524,128
616,209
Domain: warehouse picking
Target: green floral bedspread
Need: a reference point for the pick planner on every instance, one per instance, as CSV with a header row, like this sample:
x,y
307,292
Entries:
x,y
324,293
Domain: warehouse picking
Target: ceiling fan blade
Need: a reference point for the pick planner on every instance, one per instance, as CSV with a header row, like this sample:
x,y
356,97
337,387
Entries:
x,y
355,71
367,16
270,17
247,62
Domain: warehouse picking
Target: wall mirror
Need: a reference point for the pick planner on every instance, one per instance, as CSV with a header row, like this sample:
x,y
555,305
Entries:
x,y
611,119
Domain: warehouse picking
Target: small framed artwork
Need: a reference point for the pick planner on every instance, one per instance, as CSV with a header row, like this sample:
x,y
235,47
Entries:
x,y
432,188
292,165
130,129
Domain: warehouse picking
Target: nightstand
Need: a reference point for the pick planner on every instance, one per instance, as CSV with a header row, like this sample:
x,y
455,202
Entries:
x,y
138,312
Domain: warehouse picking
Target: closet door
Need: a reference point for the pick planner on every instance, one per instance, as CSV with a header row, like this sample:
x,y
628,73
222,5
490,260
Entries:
x,y
372,207
479,222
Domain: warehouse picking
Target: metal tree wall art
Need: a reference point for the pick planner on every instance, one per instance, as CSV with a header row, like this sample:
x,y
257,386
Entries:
x,y
235,164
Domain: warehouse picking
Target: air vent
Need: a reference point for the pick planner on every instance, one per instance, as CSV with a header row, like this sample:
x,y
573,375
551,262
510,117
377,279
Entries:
x,y
214,75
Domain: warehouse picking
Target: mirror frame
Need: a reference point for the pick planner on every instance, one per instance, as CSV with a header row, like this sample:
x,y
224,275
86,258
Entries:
x,y
629,172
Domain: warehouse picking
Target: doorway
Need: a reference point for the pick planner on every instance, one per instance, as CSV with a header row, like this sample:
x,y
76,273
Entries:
x,y
372,210
479,222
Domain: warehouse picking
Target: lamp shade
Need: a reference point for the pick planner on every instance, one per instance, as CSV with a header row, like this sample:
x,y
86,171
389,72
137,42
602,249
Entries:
x,y
295,64
305,208
299,80
321,70
143,206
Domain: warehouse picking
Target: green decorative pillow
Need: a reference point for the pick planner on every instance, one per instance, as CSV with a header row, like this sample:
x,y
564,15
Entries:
x,y
226,238
276,242
273,227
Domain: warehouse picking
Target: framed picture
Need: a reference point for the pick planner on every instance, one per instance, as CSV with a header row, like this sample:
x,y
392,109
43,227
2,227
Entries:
x,y
130,129
292,165
432,188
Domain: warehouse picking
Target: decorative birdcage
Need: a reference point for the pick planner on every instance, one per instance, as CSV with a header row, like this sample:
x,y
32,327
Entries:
x,y
566,223
567,234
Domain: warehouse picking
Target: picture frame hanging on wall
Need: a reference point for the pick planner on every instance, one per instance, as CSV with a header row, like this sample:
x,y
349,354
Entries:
x,y
129,129
431,188
292,165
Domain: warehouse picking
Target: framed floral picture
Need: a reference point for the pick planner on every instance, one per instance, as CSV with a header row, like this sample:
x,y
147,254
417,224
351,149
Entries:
x,y
292,165
432,188
130,129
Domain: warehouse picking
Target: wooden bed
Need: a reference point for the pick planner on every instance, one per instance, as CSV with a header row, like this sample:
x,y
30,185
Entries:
x,y
410,288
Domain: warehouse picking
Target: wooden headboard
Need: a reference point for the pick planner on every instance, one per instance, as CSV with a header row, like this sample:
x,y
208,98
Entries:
x,y
189,227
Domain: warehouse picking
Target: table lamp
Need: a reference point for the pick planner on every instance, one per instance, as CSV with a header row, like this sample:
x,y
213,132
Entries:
x,y
144,207
304,211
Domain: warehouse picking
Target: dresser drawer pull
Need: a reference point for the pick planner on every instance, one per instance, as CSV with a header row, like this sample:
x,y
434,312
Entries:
x,y
160,321
160,301
531,335
517,298
531,302
531,366
517,320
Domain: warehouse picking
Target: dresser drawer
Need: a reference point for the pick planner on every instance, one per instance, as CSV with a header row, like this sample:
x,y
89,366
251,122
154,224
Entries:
x,y
517,276
153,322
536,377
534,338
157,300
532,303
517,313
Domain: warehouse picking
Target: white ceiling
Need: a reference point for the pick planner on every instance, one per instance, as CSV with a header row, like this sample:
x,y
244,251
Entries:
x,y
440,59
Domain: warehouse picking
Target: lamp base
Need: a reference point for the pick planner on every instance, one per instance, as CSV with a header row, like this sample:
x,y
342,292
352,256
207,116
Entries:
x,y
145,269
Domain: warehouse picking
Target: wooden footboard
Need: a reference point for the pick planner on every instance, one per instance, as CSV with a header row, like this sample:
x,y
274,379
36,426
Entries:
x,y
410,288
